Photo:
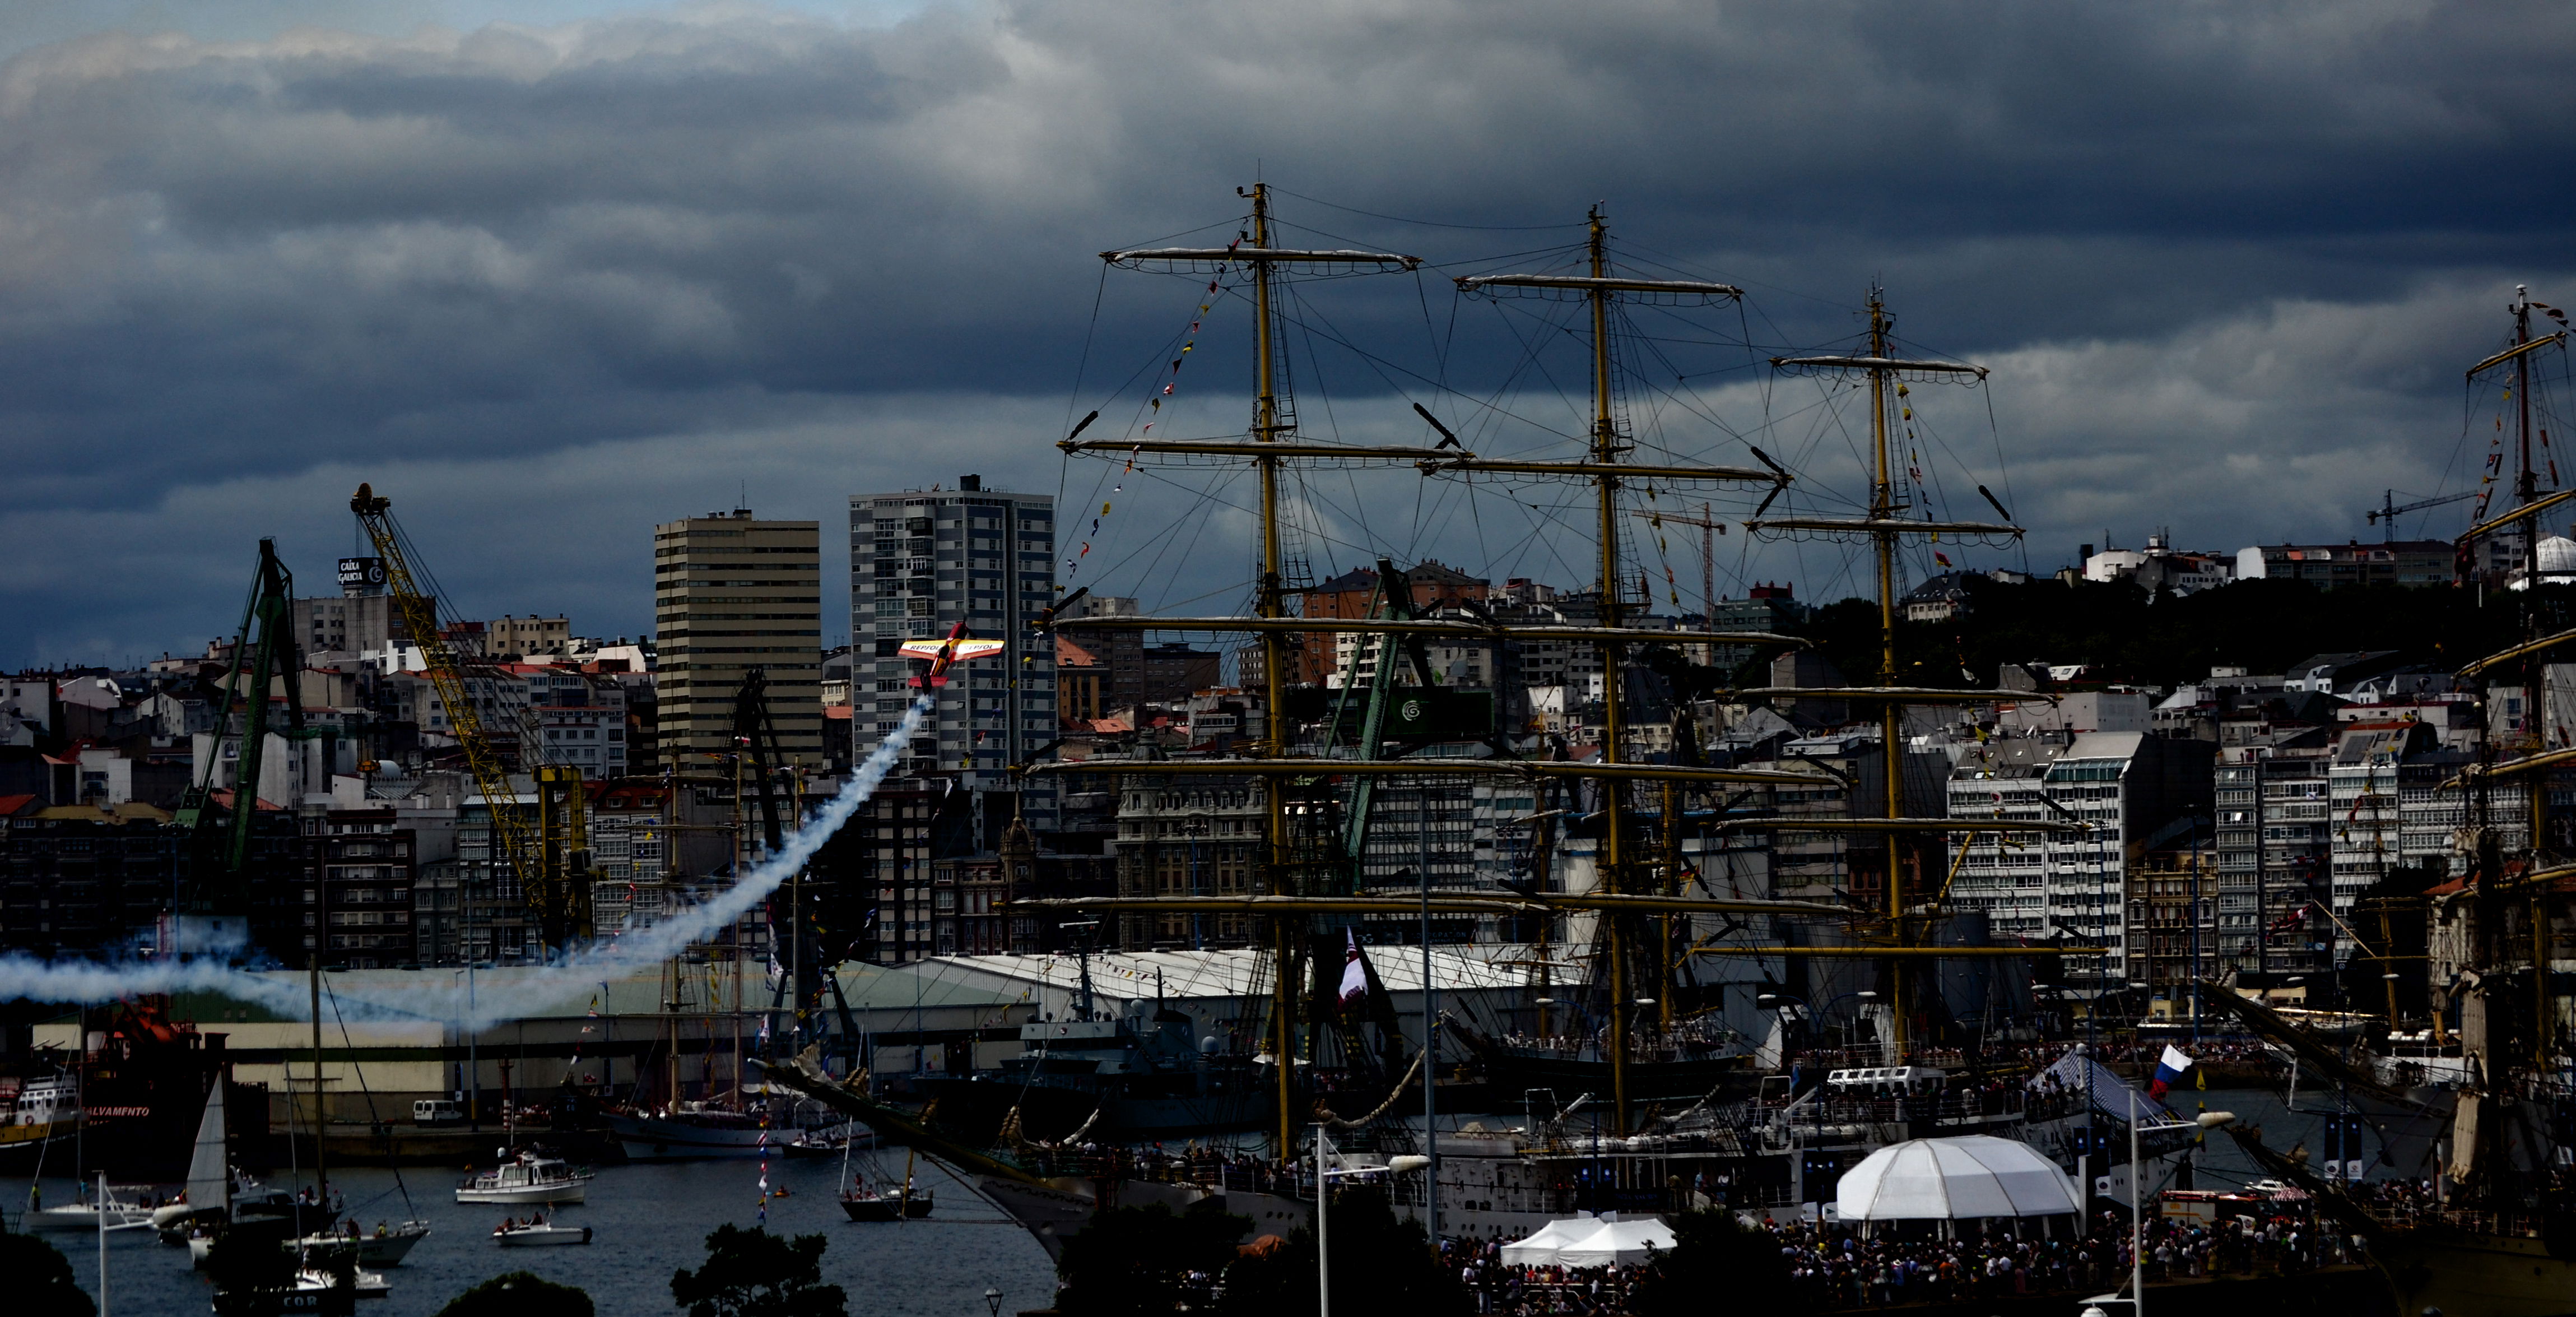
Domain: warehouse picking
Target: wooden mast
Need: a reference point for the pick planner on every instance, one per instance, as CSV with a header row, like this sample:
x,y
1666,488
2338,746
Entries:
x,y
1891,715
1272,603
1605,452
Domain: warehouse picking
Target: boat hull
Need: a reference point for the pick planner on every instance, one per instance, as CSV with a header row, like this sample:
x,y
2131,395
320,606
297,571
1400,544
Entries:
x,y
1056,1209
537,1194
2475,1274
543,1237
81,1220
387,1250
974,1110
883,1209
653,1139
1510,1075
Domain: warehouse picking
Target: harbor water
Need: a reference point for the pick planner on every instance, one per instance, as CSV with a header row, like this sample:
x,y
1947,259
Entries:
x,y
648,1220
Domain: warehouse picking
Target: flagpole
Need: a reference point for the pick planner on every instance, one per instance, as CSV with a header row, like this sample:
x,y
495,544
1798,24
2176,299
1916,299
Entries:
x,y
1430,1068
2137,1222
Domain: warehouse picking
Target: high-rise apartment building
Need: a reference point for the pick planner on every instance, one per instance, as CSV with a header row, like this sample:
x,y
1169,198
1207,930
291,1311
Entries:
x,y
731,594
920,564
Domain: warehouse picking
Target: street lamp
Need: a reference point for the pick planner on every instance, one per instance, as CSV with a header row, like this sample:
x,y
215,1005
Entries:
x,y
993,1301
1324,1177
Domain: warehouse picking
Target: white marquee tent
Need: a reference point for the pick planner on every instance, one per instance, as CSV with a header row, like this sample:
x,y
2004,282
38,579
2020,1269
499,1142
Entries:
x,y
1589,1241
1955,1180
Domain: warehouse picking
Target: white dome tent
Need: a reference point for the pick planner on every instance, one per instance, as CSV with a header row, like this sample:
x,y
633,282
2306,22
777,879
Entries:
x,y
1974,1178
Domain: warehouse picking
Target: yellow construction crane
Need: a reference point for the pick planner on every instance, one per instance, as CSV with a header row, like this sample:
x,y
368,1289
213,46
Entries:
x,y
546,855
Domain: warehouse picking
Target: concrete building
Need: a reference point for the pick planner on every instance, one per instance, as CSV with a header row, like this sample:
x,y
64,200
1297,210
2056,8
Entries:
x,y
365,869
2399,562
2160,566
732,594
360,620
2132,790
909,832
921,563
521,636
578,719
2272,804
1081,683
1186,836
2364,786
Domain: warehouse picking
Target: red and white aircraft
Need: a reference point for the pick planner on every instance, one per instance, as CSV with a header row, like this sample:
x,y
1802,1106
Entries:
x,y
940,654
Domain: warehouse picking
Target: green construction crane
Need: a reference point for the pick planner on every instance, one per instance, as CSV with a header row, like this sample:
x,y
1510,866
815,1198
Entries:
x,y
264,650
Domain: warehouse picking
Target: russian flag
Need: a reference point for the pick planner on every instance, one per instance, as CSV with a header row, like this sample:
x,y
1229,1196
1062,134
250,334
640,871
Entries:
x,y
2168,1070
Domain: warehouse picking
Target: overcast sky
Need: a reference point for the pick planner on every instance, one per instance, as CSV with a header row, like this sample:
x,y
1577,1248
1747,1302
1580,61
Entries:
x,y
547,273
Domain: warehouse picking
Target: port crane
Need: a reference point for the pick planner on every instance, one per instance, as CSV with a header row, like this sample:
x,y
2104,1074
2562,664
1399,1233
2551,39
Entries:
x,y
546,855
264,653
2389,507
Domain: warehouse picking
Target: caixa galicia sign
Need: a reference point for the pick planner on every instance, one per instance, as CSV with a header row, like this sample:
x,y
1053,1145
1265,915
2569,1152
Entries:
x,y
361,571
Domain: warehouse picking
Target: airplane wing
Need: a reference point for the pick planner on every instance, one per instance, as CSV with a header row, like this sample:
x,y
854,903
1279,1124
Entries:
x,y
975,649
927,650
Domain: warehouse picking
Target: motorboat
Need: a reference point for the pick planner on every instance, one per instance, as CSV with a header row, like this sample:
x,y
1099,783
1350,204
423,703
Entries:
x,y
538,1232
832,1141
315,1293
528,1178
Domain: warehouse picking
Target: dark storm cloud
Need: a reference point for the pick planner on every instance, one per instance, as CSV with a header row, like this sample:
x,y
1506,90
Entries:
x,y
2226,259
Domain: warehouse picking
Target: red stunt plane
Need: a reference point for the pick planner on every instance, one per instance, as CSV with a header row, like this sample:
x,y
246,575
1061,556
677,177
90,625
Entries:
x,y
940,654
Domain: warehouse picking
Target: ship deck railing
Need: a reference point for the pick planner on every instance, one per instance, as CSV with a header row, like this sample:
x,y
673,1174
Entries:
x,y
1954,1107
2520,1225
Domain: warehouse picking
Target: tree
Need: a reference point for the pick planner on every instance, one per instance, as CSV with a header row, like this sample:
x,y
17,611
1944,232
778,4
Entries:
x,y
753,1273
40,1279
1380,1264
520,1294
1129,1261
1713,1254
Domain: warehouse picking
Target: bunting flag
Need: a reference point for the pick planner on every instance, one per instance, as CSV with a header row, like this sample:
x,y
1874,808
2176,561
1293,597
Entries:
x,y
1165,387
1940,557
764,1159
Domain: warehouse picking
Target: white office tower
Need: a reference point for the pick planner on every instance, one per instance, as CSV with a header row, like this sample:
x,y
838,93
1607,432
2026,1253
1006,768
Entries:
x,y
920,564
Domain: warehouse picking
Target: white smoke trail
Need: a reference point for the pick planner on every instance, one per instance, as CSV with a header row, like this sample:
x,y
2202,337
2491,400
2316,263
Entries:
x,y
517,994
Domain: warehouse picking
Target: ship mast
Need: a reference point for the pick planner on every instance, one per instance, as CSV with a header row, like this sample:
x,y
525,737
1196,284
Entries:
x,y
1882,527
1891,716
1605,451
1274,723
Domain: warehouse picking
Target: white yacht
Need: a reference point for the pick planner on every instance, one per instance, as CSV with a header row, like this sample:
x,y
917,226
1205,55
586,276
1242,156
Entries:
x,y
528,1178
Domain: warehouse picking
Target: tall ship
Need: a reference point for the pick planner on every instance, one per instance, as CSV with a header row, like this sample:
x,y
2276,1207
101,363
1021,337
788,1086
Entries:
x,y
2479,1098
1620,1087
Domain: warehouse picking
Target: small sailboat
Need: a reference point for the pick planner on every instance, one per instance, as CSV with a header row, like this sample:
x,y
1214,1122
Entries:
x,y
863,1201
84,1216
529,1178
385,1248
538,1232
209,1191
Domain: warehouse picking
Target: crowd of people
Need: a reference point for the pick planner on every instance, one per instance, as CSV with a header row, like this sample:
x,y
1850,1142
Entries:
x,y
1837,1267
